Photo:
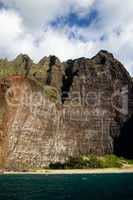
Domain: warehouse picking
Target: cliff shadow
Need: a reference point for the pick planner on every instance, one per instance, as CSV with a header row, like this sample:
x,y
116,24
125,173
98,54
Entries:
x,y
67,80
123,146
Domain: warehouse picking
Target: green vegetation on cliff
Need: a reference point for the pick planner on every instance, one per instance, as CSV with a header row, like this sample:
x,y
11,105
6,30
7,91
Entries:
x,y
86,162
51,92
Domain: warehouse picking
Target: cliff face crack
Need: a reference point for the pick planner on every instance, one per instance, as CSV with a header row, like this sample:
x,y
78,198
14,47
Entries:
x,y
26,61
68,79
49,71
123,145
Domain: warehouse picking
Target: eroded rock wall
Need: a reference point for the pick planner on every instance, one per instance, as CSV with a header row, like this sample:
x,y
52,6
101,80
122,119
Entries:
x,y
52,110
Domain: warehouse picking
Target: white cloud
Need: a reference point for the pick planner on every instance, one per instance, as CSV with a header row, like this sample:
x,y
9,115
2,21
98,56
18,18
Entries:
x,y
37,13
25,28
13,37
116,23
10,26
57,42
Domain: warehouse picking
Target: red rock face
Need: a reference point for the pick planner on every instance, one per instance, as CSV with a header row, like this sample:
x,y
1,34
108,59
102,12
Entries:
x,y
76,108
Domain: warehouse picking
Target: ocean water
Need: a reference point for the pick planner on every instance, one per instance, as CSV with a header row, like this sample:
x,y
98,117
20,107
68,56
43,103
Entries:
x,y
67,187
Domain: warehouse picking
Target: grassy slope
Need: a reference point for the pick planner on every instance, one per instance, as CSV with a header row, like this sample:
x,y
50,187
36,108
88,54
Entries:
x,y
87,162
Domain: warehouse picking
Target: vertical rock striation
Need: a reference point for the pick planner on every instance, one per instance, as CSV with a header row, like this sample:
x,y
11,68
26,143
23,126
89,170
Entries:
x,y
51,110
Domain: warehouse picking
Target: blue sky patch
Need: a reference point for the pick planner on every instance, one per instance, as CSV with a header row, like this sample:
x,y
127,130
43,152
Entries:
x,y
103,37
74,20
2,6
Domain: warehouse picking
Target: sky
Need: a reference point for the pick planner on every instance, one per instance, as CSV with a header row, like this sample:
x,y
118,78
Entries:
x,y
67,29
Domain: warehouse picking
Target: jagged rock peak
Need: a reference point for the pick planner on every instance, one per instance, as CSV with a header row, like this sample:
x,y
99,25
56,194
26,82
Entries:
x,y
22,58
102,56
50,59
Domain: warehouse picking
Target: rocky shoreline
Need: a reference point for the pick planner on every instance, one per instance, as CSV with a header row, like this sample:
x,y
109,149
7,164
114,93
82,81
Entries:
x,y
73,171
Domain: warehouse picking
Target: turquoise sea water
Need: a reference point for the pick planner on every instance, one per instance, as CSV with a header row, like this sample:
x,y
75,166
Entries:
x,y
67,187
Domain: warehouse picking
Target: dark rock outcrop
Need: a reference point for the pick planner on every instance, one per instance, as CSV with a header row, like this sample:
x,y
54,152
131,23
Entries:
x,y
51,110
